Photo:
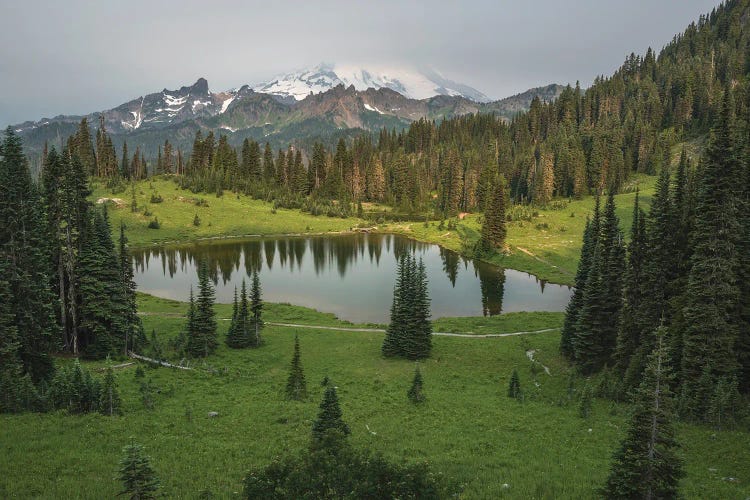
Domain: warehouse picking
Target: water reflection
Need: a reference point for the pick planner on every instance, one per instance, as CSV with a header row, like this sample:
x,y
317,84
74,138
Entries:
x,y
351,276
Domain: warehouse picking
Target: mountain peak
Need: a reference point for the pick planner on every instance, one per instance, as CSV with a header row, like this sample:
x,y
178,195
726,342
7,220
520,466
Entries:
x,y
410,83
199,87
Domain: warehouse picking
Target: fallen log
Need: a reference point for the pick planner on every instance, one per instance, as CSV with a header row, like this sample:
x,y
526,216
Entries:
x,y
156,361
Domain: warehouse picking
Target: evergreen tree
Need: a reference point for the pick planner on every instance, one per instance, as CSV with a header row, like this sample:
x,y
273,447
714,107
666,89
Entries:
x,y
634,294
80,145
416,391
395,333
234,339
106,318
109,399
573,310
139,481
23,247
256,307
646,465
660,264
493,223
514,387
190,331
269,171
712,293
329,427
201,341
409,332
133,328
125,162
596,331
11,369
418,343
296,387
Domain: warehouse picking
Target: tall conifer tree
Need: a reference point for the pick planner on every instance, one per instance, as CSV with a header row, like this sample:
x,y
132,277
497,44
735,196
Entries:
x,y
646,465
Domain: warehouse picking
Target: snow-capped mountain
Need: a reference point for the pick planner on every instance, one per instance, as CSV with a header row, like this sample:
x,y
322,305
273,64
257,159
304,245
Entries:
x,y
410,83
316,103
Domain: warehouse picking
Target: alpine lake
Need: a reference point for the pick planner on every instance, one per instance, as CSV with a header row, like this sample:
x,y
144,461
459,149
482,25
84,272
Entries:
x,y
350,275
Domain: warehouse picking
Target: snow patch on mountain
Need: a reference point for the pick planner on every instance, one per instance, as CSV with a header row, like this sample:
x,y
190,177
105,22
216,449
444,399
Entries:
x,y
226,103
408,82
373,108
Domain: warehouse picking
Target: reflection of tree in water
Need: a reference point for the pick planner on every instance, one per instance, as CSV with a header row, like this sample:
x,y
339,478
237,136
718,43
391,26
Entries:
x,y
269,249
299,246
340,253
450,264
492,285
253,258
319,254
375,244
405,246
282,251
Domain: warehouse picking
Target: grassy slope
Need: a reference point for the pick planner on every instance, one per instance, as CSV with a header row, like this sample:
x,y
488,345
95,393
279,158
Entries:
x,y
229,215
548,246
468,430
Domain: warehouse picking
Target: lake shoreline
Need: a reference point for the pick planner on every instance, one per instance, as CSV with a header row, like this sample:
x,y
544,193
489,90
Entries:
x,y
375,230
297,268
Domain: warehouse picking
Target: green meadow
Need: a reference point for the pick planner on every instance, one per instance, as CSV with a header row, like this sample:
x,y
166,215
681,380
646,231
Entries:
x,y
483,443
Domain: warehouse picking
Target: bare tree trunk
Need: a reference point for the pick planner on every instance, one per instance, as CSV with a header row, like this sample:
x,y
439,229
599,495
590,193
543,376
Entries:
x,y
63,311
72,290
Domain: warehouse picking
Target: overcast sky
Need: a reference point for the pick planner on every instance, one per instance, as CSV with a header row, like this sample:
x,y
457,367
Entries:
x,y
75,57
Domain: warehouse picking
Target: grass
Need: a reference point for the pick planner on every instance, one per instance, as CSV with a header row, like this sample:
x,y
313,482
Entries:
x,y
468,429
230,215
547,245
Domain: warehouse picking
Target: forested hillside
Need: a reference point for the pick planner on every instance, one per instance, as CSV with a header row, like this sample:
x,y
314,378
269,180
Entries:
x,y
586,141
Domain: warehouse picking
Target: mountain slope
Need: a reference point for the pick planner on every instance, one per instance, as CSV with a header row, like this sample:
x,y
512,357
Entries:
x,y
176,115
407,82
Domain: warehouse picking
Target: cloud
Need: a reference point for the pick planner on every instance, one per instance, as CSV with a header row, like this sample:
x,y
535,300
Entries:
x,y
76,57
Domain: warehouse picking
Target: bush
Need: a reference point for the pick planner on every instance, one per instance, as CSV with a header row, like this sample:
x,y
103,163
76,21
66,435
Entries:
x,y
74,389
156,198
196,220
341,473
154,224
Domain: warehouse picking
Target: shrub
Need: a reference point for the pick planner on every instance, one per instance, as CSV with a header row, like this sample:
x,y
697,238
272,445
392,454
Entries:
x,y
514,387
154,224
156,198
196,220
74,389
416,392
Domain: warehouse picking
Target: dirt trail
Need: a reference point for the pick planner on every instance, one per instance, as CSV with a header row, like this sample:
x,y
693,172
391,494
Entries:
x,y
543,261
370,330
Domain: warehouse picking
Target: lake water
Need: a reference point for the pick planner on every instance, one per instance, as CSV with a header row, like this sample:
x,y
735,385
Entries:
x,y
351,276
